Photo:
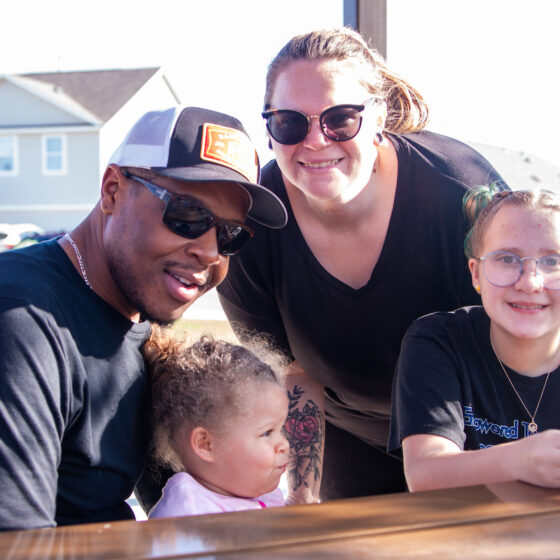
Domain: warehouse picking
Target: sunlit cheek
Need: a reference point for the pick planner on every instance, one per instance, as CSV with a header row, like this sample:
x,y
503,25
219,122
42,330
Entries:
x,y
220,271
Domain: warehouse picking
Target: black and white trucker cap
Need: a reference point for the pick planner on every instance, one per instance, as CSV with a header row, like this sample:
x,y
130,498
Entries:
x,y
195,144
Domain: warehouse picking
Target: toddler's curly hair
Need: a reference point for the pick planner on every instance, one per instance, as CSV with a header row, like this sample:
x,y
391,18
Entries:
x,y
202,384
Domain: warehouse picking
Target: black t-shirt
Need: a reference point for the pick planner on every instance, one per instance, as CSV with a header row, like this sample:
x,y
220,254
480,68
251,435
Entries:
x,y
348,339
449,383
73,393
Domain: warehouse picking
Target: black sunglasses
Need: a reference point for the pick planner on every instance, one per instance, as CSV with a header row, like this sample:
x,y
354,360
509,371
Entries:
x,y
188,218
339,123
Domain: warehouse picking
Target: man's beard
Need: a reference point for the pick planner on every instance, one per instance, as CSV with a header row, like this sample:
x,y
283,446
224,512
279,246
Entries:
x,y
128,286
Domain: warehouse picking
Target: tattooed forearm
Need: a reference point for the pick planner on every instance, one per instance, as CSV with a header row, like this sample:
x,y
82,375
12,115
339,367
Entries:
x,y
304,429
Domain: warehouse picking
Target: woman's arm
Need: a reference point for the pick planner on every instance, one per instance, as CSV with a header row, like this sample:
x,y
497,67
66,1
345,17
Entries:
x,y
305,430
432,462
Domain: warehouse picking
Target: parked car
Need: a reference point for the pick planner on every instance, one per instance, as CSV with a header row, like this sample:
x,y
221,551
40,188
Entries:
x,y
12,235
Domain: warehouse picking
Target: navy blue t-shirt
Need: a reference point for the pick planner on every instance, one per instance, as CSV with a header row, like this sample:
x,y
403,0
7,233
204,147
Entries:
x,y
73,395
449,383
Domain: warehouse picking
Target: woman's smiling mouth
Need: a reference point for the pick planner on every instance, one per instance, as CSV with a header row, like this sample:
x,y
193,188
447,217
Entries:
x,y
320,164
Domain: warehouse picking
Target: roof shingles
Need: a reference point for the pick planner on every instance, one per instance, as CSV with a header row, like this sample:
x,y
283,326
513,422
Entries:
x,y
102,92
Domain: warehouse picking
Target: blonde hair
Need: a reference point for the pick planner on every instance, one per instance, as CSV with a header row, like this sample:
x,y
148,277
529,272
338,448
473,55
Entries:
x,y
406,108
202,384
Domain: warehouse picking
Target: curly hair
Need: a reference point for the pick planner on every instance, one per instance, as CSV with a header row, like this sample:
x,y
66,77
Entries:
x,y
203,384
406,109
482,203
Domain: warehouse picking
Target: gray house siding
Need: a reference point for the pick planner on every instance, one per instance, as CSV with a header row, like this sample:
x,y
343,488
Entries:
x,y
19,108
53,202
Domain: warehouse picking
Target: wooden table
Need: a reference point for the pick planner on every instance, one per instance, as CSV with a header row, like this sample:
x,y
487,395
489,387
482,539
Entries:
x,y
511,520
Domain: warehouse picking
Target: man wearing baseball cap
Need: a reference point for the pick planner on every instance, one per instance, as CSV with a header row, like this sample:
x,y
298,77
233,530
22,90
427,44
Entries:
x,y
75,312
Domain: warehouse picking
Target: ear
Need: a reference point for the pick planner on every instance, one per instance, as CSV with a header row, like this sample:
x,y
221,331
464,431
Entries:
x,y
474,267
381,116
113,180
202,444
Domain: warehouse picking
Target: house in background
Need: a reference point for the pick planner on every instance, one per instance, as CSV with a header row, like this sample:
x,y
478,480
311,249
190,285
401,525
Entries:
x,y
57,132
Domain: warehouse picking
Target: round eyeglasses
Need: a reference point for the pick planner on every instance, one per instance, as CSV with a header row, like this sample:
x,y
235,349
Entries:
x,y
339,123
502,268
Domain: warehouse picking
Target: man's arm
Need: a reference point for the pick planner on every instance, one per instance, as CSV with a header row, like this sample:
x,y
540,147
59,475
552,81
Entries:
x,y
31,420
305,430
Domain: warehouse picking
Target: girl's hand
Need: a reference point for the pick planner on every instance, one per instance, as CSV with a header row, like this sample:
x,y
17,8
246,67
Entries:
x,y
536,459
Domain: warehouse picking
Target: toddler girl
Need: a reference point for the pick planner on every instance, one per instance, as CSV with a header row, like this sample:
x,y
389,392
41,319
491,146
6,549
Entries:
x,y
218,413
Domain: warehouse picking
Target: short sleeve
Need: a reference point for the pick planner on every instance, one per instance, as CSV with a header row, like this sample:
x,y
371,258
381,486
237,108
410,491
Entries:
x,y
31,418
427,396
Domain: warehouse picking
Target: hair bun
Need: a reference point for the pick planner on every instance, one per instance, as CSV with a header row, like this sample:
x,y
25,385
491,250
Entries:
x,y
476,199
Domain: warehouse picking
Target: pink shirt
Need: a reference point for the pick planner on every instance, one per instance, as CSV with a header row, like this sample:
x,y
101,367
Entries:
x,y
183,495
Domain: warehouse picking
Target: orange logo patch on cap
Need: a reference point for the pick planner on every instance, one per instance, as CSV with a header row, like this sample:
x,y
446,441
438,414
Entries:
x,y
230,148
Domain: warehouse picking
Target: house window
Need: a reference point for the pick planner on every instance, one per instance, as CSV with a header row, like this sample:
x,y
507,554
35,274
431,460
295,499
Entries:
x,y
8,155
54,155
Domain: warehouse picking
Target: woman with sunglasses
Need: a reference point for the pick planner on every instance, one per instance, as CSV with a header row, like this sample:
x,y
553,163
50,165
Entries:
x,y
476,389
373,241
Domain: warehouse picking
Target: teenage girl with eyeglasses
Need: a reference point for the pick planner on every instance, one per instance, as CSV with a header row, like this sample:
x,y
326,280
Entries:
x,y
477,389
374,240
218,412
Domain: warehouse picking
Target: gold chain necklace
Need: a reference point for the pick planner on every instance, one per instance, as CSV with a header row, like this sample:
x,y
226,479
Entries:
x,y
532,426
